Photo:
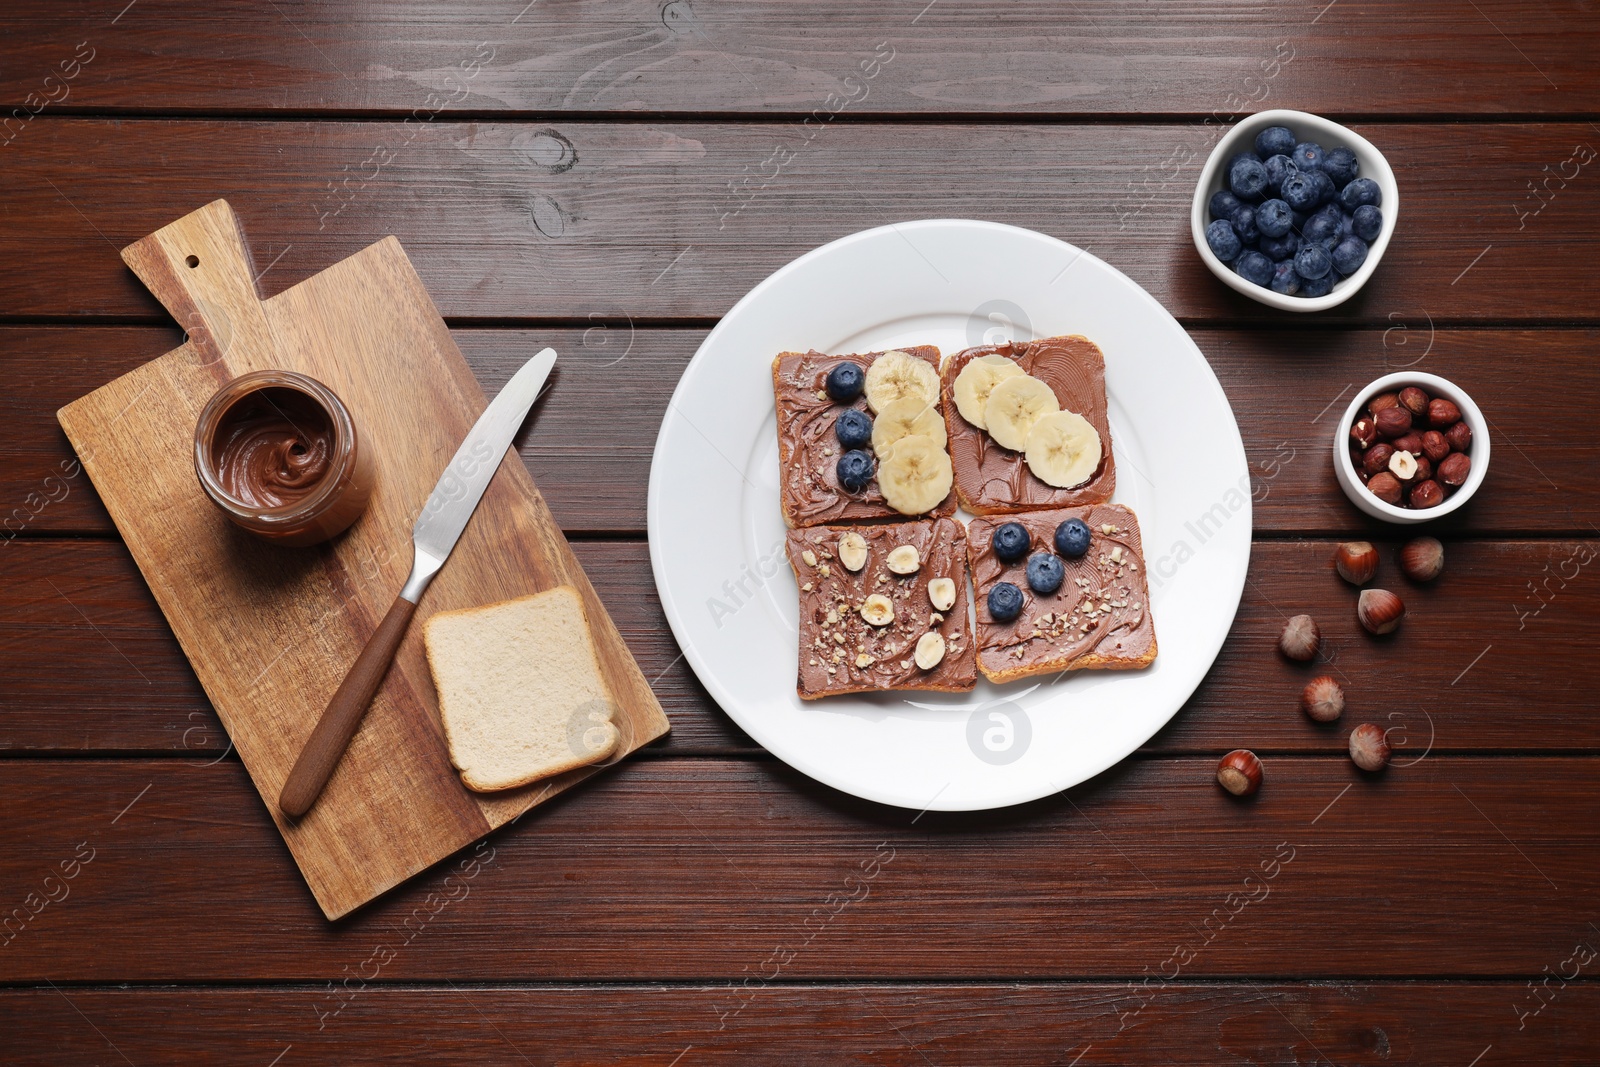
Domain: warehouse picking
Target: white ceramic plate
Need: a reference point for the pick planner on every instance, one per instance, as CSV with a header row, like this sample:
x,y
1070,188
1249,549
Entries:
x,y
716,531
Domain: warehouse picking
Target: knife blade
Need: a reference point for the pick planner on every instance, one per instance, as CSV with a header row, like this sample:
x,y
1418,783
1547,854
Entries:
x,y
438,528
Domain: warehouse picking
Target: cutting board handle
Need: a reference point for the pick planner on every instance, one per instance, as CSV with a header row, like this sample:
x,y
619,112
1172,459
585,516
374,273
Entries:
x,y
200,270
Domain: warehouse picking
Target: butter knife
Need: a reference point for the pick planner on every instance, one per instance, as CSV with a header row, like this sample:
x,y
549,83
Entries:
x,y
438,528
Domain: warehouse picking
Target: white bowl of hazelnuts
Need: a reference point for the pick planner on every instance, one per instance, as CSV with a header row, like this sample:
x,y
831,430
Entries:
x,y
1411,448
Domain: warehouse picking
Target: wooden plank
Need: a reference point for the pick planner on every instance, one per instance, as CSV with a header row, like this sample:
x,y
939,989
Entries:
x,y
1510,625
589,450
709,870
862,1023
762,57
271,631
681,219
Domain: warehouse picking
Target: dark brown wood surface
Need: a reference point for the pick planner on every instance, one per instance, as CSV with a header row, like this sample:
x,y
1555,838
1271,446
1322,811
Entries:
x,y
598,177
677,220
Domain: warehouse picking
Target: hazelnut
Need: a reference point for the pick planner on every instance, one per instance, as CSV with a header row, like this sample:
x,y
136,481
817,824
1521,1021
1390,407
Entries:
x,y
1322,699
1385,486
1239,772
853,551
878,610
1409,442
904,559
1442,413
1381,401
1356,562
1364,431
1459,436
1403,465
1392,422
1422,559
1428,494
1414,400
930,650
1424,468
1435,445
1300,638
1376,458
1453,468
1380,611
1369,748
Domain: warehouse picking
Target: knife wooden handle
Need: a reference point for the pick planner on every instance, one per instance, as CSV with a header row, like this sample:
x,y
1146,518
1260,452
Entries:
x,y
344,712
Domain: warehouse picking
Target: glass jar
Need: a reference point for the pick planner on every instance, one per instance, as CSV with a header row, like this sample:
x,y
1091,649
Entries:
x,y
278,452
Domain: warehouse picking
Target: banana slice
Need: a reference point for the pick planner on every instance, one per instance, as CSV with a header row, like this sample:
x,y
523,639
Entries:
x,y
1014,406
900,376
915,476
904,418
1063,449
976,381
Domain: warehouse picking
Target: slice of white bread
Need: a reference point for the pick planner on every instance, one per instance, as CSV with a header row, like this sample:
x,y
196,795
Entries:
x,y
520,689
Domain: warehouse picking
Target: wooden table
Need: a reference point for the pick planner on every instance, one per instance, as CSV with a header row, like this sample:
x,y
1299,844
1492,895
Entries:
x,y
609,178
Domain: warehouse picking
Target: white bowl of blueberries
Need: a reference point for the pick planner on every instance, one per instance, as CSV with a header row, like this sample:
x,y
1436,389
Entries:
x,y
1294,211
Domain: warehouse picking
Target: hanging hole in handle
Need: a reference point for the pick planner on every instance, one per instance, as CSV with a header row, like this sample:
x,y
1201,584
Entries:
x,y
192,261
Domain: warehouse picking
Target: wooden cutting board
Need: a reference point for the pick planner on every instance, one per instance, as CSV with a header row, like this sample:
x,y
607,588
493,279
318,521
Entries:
x,y
270,631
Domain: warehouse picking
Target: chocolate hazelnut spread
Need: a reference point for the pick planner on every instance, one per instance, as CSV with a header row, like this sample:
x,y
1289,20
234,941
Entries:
x,y
808,450
840,651
1100,617
277,452
273,448
993,480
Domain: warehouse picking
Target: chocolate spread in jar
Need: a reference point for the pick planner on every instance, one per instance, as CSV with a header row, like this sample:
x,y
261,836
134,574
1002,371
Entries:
x,y
273,448
995,480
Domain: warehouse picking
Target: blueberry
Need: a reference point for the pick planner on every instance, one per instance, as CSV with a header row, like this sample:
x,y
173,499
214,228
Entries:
x,y
1010,542
1284,279
1367,222
1273,218
1359,192
1349,254
1223,241
1321,224
1247,178
854,470
1005,602
1274,141
1300,192
1254,267
1347,224
1244,224
1045,573
846,381
1326,193
853,428
1278,168
1342,166
1312,262
1308,155
1223,204
1318,286
1072,538
1278,249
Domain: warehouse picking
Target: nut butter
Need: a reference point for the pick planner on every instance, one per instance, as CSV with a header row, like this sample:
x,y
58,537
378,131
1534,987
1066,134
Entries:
x,y
279,454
